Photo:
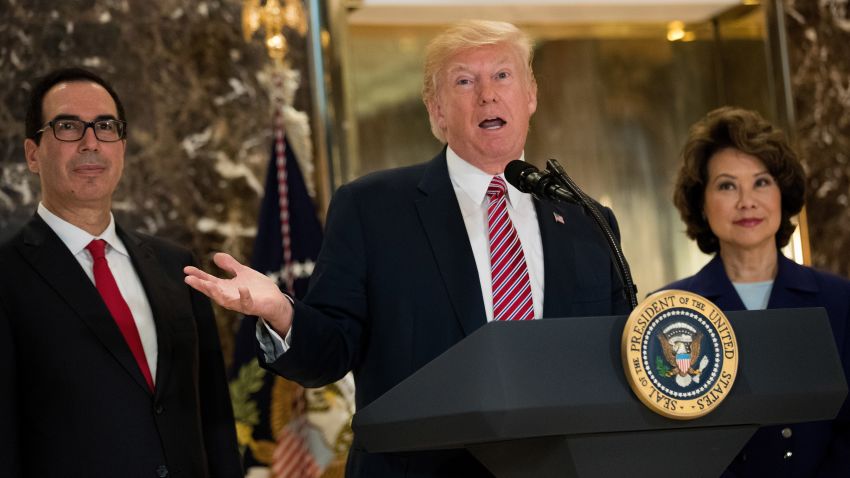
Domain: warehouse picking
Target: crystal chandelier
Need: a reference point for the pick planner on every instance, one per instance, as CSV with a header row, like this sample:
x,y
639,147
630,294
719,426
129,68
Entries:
x,y
273,16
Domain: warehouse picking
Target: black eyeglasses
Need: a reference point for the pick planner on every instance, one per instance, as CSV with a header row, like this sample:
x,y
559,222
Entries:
x,y
108,130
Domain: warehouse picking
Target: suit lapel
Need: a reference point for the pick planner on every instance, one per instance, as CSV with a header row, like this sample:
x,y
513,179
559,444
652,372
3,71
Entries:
x,y
160,297
444,227
794,286
558,259
713,283
52,260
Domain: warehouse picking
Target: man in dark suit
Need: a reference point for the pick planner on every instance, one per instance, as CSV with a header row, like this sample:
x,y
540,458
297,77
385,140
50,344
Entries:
x,y
110,365
415,259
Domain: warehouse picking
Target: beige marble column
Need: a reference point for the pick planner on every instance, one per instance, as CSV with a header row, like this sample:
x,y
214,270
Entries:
x,y
818,39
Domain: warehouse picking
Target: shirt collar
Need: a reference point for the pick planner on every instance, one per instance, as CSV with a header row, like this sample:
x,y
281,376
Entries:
x,y
76,239
473,181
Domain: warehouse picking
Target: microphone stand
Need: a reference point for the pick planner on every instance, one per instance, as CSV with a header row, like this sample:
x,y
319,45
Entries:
x,y
594,209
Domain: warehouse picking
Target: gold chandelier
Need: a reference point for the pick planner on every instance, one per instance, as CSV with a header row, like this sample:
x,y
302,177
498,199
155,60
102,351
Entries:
x,y
273,16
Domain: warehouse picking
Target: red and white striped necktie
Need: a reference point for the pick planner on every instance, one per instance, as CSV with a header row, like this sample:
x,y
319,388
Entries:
x,y
511,285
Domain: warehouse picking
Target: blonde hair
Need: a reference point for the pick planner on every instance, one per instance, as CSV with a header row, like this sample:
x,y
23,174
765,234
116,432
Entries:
x,y
466,35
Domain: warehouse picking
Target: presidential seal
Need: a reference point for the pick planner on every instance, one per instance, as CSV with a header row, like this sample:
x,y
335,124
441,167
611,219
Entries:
x,y
680,355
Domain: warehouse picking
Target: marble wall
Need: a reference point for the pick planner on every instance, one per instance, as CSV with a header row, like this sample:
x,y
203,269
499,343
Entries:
x,y
818,35
196,102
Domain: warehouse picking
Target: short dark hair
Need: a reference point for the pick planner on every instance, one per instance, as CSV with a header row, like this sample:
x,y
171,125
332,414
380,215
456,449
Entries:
x,y
750,133
35,110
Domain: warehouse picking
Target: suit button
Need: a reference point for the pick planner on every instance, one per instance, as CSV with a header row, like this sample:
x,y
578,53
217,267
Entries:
x,y
159,409
787,455
162,471
786,432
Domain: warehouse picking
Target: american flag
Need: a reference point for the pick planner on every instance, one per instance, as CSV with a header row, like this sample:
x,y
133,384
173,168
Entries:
x,y
558,218
292,457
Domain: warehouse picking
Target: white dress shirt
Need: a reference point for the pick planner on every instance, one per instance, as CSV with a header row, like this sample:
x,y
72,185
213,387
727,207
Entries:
x,y
76,240
470,185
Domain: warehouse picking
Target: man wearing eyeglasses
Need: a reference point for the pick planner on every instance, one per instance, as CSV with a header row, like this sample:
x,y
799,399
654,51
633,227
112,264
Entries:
x,y
109,365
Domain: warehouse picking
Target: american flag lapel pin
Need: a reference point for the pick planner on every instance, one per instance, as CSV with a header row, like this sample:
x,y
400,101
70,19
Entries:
x,y
558,218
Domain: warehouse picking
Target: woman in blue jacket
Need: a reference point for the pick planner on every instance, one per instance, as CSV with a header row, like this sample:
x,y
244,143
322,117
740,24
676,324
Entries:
x,y
737,190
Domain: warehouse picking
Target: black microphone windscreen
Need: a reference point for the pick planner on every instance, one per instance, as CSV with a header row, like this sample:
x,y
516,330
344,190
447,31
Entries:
x,y
514,170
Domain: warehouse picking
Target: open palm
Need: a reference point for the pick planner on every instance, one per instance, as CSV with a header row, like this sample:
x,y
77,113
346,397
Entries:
x,y
246,291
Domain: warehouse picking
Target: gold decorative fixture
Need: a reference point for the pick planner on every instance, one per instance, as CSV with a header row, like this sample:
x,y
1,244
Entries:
x,y
273,16
676,32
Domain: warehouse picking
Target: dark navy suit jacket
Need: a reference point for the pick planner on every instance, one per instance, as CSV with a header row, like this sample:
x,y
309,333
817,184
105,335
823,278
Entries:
x,y
396,284
817,448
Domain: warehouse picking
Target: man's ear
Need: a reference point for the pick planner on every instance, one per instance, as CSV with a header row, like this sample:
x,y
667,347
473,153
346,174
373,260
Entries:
x,y
31,154
436,114
532,97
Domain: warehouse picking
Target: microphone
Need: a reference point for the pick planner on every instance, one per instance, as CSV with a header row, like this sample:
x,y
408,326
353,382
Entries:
x,y
529,179
555,184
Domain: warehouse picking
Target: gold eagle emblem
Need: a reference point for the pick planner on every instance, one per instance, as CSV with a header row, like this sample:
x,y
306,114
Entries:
x,y
673,348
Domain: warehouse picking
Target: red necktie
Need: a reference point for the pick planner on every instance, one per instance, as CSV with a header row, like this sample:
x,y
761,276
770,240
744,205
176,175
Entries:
x,y
108,288
511,286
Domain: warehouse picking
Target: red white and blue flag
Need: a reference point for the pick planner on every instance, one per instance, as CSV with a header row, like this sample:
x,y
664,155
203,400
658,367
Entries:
x,y
272,426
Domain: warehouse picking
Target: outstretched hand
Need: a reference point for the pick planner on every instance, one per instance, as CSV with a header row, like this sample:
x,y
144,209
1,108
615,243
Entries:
x,y
247,291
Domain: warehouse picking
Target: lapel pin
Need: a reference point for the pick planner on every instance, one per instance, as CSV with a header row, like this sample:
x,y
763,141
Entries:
x,y
558,218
